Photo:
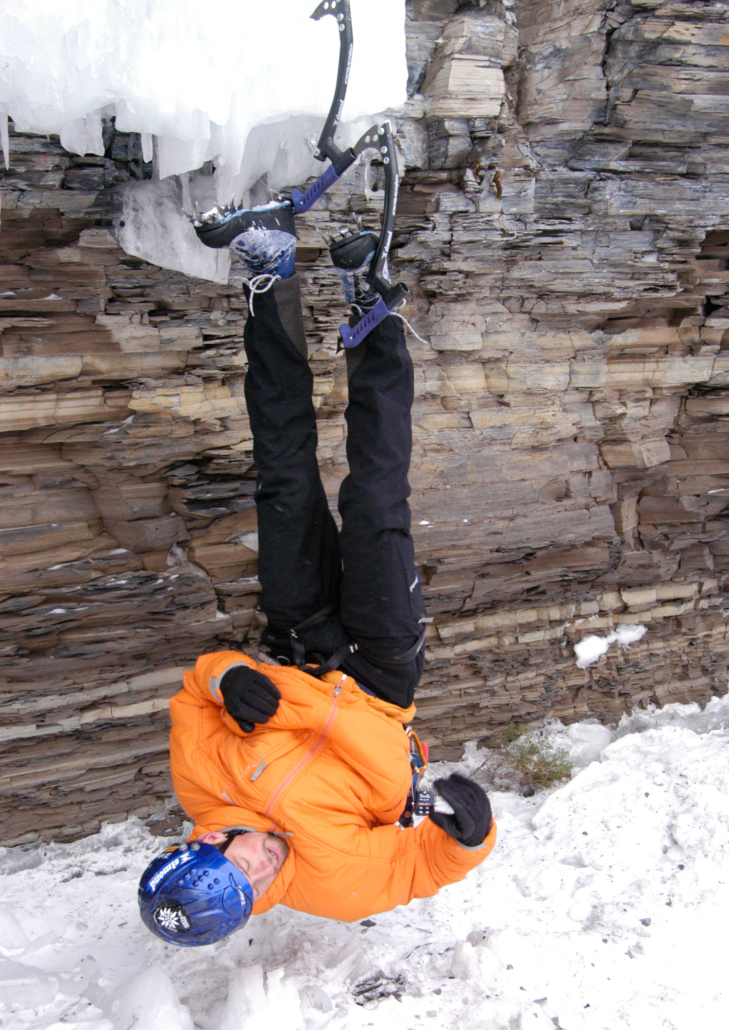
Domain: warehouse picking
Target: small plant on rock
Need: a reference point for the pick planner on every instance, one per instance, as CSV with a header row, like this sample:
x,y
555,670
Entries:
x,y
523,760
506,735
541,764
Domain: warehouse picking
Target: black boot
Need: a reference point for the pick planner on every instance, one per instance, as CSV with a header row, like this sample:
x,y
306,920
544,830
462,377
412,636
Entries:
x,y
352,255
264,238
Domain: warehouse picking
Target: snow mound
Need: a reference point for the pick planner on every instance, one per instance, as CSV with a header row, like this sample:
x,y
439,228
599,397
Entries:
x,y
604,904
150,1002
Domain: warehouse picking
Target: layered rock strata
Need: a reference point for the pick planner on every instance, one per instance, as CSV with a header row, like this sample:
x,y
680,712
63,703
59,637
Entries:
x,y
563,225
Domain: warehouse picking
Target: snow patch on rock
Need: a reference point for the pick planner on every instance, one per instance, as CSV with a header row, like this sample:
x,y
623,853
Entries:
x,y
590,648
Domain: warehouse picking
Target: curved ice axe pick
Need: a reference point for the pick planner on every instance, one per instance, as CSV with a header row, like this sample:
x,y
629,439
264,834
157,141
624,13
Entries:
x,y
340,10
391,297
327,149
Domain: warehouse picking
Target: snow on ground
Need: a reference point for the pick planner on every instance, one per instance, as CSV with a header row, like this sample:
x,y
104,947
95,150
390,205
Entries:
x,y
605,906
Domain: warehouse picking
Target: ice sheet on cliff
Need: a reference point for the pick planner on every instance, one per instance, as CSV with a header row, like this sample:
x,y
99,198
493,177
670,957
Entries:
x,y
241,83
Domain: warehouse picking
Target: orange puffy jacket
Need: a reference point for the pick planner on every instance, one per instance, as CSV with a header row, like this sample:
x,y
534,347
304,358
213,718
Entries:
x,y
331,770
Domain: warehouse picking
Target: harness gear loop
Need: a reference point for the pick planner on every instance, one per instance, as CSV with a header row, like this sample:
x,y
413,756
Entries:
x,y
419,802
300,651
298,648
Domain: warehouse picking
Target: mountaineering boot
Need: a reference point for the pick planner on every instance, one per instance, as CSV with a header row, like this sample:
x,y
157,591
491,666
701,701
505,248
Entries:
x,y
264,238
352,255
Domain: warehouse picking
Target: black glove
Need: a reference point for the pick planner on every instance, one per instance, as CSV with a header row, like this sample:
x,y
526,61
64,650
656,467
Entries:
x,y
471,819
249,696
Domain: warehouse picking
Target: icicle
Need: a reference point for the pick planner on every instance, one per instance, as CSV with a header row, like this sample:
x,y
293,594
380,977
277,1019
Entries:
x,y
4,138
187,205
147,147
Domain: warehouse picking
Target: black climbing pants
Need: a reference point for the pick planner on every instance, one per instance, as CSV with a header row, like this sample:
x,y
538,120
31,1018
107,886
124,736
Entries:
x,y
364,577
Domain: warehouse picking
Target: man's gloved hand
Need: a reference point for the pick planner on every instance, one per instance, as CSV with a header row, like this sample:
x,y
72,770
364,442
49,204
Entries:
x,y
249,696
471,819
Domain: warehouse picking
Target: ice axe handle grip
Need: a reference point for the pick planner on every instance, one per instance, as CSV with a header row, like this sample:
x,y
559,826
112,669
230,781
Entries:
x,y
303,201
353,337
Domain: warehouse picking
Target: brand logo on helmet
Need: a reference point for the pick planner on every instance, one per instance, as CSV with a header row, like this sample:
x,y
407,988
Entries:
x,y
162,873
172,917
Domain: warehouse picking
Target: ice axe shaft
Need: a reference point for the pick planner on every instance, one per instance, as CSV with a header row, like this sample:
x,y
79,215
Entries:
x,y
340,10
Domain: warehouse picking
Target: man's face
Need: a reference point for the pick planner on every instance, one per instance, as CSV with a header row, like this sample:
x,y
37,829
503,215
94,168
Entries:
x,y
258,855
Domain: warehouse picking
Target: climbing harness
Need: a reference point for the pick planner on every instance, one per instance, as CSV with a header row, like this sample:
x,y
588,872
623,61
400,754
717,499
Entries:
x,y
334,660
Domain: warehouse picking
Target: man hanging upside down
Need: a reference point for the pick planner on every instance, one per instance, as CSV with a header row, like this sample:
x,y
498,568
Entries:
x,y
297,771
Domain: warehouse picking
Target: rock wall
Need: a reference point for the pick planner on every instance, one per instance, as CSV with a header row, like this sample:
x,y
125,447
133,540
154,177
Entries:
x,y
563,225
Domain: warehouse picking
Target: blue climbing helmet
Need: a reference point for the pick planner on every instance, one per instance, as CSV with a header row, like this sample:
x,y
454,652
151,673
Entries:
x,y
191,894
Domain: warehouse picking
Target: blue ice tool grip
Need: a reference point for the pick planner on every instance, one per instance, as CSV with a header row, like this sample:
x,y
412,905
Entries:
x,y
391,298
303,201
377,314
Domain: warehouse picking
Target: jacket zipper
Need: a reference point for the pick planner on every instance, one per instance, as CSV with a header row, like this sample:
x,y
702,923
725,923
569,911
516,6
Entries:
x,y
310,754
